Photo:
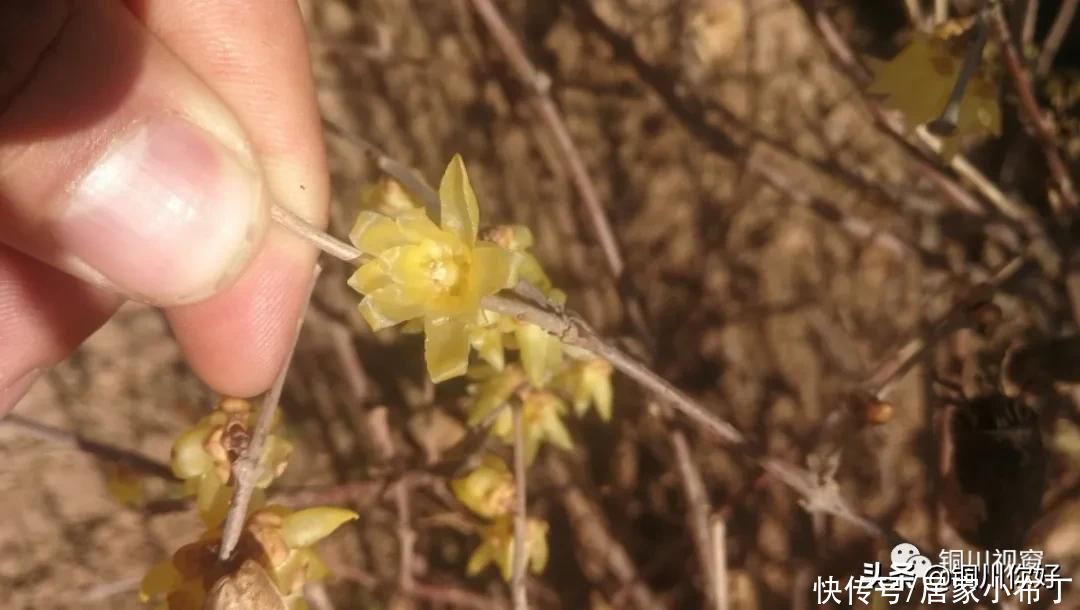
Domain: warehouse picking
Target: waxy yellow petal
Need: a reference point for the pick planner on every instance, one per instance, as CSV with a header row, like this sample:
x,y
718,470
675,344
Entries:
x,y
306,527
369,277
388,306
189,458
493,269
446,347
373,232
460,212
541,353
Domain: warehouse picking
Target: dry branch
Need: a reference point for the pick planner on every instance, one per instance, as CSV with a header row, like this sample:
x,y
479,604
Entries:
x,y
245,470
572,329
1041,123
105,451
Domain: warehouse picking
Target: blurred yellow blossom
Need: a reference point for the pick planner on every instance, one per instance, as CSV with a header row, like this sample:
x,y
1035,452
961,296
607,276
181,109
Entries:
x,y
437,273
542,412
488,490
920,79
202,456
387,196
276,538
497,546
588,382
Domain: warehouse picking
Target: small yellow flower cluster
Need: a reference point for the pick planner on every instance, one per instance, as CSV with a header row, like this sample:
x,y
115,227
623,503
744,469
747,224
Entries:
x,y
920,79
203,455
437,276
489,492
274,558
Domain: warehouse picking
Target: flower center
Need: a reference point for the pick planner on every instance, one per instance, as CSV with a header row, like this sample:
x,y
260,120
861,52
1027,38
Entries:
x,y
444,269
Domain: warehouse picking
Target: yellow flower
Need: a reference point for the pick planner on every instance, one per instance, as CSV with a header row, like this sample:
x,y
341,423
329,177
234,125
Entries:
x,y
920,79
202,456
497,546
588,382
492,390
436,273
488,490
541,413
387,196
278,539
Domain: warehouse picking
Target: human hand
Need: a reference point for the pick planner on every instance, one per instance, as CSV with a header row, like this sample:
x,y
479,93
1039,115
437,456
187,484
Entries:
x,y
141,146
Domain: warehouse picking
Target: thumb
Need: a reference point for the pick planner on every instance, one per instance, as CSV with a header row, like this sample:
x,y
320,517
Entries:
x,y
117,164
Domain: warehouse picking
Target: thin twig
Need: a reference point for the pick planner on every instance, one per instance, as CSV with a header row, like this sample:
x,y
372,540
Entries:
x,y
697,509
597,541
572,159
395,169
517,579
1058,31
902,360
406,537
941,11
1027,26
439,595
245,470
540,85
1041,122
291,221
915,14
134,460
945,124
721,588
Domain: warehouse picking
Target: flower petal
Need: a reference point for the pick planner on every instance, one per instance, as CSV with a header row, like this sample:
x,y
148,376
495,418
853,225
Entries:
x,y
372,233
446,347
460,212
369,277
388,306
540,352
493,268
306,527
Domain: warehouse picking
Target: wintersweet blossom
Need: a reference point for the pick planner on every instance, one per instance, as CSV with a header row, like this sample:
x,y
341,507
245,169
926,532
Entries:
x,y
487,490
435,273
920,79
202,456
497,546
277,540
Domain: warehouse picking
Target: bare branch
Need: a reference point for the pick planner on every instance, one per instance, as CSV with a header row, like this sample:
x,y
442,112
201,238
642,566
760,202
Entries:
x,y
396,170
1042,124
517,579
697,509
540,84
105,451
721,588
246,468
1058,31
945,124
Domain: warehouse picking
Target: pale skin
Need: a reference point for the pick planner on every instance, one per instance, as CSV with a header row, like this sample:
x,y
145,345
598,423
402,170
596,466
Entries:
x,y
142,144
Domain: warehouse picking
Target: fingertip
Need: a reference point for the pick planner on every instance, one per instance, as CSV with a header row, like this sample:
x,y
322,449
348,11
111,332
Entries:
x,y
237,340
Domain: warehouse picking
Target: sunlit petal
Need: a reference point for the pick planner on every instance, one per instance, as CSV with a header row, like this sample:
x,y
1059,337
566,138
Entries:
x,y
372,233
369,277
306,527
446,347
460,212
388,306
493,269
